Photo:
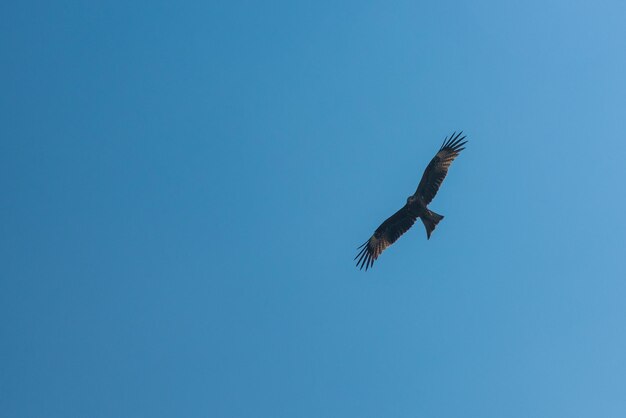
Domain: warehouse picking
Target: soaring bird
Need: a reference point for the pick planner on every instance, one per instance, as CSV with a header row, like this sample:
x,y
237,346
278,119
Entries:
x,y
416,205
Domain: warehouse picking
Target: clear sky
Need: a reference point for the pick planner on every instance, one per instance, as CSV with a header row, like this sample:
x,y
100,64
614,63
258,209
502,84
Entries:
x,y
184,185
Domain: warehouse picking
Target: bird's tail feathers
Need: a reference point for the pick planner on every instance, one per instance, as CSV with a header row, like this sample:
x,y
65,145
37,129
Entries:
x,y
431,219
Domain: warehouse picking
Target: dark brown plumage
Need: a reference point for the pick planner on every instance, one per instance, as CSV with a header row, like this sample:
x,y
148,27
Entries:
x,y
416,205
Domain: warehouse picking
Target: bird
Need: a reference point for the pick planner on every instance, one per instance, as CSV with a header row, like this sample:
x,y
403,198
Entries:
x,y
416,205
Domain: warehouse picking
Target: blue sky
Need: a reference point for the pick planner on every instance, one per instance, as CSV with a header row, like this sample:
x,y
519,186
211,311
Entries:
x,y
185,184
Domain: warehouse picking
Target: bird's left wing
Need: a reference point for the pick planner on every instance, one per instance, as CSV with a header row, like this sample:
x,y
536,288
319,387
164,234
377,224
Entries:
x,y
385,235
438,167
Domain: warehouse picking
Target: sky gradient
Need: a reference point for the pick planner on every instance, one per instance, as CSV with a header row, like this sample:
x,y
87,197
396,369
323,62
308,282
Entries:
x,y
185,184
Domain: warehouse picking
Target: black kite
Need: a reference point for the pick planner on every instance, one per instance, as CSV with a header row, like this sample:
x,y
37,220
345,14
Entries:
x,y
416,205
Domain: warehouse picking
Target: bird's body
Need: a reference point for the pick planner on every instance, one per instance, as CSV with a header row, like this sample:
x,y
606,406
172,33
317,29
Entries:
x,y
416,205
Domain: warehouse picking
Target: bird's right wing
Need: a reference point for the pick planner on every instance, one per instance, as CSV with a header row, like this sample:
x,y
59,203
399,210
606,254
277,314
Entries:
x,y
385,235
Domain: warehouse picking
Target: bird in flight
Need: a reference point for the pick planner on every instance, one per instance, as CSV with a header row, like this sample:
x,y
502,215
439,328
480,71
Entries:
x,y
416,205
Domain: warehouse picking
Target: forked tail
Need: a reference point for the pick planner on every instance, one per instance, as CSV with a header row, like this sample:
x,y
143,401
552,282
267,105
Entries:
x,y
431,219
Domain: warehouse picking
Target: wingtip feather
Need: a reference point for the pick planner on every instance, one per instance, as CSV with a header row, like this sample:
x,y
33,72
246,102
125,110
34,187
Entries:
x,y
364,256
452,141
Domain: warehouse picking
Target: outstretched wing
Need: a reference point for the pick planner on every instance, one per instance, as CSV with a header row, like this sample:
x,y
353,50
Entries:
x,y
438,167
386,234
